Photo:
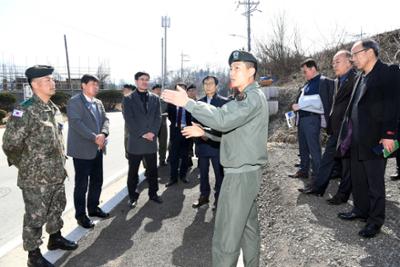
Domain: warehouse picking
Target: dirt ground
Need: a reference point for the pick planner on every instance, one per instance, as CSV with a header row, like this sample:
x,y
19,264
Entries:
x,y
303,230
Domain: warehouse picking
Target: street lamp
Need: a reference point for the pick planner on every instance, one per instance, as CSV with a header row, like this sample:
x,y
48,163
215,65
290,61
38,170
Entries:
x,y
238,35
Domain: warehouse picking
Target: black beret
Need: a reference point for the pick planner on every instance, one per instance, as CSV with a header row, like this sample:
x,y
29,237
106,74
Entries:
x,y
242,56
38,71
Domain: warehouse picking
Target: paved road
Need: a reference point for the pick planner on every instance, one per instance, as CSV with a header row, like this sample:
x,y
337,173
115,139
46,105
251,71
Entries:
x,y
11,204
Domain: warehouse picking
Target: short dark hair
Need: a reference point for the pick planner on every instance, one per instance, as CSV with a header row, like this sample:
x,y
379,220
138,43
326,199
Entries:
x,y
371,44
309,63
141,73
210,77
89,78
157,85
130,86
249,65
183,85
192,86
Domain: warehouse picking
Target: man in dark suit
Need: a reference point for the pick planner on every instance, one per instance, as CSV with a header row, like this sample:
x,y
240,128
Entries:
x,y
313,105
179,150
163,133
192,93
207,149
127,90
344,84
371,119
143,119
87,132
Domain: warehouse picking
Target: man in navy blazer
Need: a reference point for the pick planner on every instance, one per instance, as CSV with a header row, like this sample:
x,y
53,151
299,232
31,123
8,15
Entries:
x,y
207,149
313,105
179,150
87,132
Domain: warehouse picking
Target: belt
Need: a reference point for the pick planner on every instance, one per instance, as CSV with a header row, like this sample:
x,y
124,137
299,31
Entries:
x,y
303,113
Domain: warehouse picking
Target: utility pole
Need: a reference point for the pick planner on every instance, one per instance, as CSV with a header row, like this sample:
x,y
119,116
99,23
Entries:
x,y
362,33
358,36
250,8
183,59
162,59
66,54
165,23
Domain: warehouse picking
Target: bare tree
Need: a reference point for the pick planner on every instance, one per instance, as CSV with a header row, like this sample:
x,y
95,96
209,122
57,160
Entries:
x,y
390,46
103,74
282,54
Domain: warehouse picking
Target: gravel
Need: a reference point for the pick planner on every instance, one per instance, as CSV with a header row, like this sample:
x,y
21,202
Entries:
x,y
303,230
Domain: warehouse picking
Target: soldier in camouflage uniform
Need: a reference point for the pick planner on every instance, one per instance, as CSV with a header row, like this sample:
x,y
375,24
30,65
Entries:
x,y
33,143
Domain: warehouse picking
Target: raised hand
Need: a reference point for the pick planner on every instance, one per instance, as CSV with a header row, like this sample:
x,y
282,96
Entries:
x,y
177,97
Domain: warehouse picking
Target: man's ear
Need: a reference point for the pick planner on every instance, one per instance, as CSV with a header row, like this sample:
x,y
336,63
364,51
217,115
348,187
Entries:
x,y
252,72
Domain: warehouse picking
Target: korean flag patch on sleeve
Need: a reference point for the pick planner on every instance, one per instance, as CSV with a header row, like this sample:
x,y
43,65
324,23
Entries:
x,y
17,113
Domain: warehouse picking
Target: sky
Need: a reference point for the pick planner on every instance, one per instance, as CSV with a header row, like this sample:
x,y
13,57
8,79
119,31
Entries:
x,y
126,35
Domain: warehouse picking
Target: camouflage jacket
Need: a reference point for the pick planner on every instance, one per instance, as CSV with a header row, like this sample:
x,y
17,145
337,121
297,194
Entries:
x,y
33,142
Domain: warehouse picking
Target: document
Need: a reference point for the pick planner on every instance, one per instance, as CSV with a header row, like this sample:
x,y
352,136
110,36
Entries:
x,y
290,118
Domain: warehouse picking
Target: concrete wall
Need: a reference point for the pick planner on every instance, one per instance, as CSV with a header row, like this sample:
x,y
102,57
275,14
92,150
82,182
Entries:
x,y
271,93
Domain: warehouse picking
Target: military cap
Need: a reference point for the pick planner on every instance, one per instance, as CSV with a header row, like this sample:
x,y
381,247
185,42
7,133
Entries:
x,y
238,55
38,71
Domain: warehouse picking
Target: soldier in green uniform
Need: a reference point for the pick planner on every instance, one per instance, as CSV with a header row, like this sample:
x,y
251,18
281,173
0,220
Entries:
x,y
244,124
33,143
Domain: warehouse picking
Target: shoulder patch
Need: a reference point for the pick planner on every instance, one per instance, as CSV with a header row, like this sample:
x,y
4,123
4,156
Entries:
x,y
17,113
27,103
241,96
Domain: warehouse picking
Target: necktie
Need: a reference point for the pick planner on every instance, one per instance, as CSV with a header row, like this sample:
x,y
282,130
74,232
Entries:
x,y
179,118
96,114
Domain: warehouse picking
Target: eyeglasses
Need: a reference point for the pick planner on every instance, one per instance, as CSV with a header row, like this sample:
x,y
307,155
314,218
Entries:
x,y
359,51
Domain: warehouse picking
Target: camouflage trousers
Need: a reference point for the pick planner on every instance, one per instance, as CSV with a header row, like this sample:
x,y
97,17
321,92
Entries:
x,y
43,205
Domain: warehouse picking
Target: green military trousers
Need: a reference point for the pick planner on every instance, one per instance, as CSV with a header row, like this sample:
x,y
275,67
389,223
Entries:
x,y
236,223
43,205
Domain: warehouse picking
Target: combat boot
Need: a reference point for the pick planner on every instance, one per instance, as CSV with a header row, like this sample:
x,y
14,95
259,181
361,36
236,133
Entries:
x,y
57,241
36,259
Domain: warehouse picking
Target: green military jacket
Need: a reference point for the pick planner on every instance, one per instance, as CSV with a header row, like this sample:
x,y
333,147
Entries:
x,y
244,124
33,142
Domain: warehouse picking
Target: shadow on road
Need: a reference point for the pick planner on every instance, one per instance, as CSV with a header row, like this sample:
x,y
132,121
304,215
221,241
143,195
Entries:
x,y
113,238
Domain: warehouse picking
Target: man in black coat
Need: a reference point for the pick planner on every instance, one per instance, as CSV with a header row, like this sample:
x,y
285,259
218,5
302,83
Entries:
x,y
143,119
179,150
163,133
370,120
208,150
344,84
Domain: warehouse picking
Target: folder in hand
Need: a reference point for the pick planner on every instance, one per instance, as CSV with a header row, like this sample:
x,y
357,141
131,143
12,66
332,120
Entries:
x,y
379,149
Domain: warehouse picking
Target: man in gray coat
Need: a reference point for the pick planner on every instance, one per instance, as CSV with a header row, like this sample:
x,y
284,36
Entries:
x,y
143,118
87,132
